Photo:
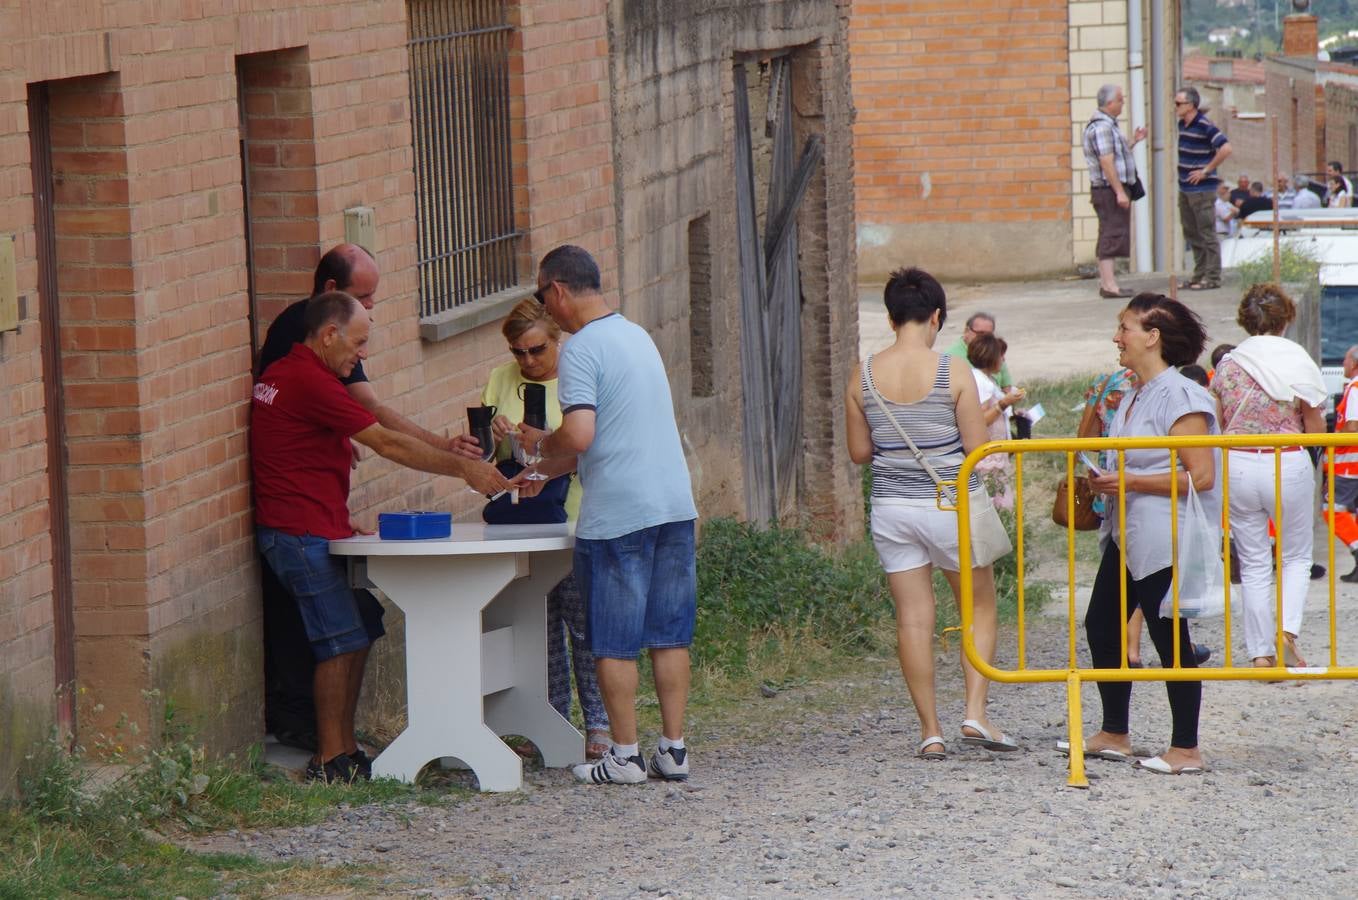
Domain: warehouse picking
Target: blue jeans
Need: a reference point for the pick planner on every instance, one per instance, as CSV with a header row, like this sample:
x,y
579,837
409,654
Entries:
x,y
640,590
319,583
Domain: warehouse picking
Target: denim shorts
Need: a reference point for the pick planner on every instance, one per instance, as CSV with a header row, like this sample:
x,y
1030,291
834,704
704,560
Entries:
x,y
337,619
641,590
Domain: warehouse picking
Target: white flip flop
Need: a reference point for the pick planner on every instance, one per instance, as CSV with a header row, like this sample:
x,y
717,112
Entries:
x,y
1108,753
932,754
1002,743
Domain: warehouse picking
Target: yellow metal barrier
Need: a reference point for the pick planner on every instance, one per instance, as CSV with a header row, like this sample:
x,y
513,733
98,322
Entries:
x,y
1073,675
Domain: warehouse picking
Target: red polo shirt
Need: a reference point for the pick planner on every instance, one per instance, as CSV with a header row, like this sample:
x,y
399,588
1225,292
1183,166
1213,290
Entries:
x,y
301,421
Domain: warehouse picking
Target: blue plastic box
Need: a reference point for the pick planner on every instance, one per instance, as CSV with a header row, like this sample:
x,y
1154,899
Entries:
x,y
414,525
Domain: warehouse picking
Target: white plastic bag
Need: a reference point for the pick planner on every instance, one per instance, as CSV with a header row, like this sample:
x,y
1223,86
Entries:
x,y
1202,589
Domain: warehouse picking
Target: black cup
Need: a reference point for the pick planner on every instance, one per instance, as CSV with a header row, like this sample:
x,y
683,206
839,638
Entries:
x,y
534,398
478,423
480,416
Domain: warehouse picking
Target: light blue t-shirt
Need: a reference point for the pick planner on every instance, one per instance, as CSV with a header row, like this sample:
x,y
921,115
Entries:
x,y
634,474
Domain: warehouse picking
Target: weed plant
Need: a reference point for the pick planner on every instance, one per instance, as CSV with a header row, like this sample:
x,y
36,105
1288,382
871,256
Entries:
x,y
1299,263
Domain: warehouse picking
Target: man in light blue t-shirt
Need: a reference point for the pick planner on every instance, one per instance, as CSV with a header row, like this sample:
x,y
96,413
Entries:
x,y
634,539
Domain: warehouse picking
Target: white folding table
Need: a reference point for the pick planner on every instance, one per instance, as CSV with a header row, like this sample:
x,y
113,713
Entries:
x,y
475,607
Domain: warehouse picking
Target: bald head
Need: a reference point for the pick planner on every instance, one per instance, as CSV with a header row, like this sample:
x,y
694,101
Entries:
x,y
349,268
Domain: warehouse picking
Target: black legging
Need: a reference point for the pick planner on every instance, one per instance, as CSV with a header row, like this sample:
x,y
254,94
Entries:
x,y
1105,646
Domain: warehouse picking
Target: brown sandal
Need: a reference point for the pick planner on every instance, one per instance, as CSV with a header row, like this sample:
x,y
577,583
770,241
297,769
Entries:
x,y
1290,654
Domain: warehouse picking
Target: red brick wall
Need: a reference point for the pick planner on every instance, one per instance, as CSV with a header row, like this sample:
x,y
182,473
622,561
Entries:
x,y
962,129
281,160
1290,94
105,417
1341,125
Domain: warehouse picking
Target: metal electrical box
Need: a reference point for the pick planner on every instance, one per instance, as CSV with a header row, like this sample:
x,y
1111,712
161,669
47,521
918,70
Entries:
x,y
360,228
9,285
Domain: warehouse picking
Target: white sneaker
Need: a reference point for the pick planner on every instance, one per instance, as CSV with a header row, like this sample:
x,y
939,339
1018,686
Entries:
x,y
671,764
612,770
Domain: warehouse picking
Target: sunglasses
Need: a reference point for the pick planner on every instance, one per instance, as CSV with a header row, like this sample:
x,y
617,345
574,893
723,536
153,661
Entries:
x,y
540,295
530,351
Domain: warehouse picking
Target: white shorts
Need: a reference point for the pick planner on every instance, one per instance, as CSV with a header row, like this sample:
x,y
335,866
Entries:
x,y
909,534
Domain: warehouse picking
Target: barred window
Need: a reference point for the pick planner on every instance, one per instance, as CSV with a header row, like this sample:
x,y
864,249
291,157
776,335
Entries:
x,y
464,185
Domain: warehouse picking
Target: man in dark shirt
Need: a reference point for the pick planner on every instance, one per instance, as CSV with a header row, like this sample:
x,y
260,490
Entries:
x,y
1255,202
289,713
1241,192
301,411
1202,150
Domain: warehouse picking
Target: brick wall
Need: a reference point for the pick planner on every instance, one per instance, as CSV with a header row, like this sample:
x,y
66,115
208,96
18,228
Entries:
x,y
156,342
1341,125
962,135
1290,94
1251,148
1098,56
281,163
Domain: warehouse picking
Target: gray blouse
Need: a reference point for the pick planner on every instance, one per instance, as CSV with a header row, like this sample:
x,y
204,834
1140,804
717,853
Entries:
x,y
1151,411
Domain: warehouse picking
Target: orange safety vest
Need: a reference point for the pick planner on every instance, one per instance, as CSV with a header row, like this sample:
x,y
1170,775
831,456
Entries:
x,y
1345,458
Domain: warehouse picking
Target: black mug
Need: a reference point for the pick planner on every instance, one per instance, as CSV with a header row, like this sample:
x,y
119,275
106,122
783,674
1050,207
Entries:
x,y
478,423
534,397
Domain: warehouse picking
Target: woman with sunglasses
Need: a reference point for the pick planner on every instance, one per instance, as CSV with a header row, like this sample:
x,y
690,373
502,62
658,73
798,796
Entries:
x,y
535,343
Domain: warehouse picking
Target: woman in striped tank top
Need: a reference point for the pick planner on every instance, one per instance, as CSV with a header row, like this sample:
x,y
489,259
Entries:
x,y
934,399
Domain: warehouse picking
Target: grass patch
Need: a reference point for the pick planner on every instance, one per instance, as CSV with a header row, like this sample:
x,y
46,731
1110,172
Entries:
x,y
109,830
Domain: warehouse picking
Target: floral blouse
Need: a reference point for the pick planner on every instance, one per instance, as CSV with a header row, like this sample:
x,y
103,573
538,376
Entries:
x,y
1246,409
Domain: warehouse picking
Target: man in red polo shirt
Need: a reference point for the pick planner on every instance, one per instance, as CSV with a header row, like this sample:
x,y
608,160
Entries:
x,y
303,420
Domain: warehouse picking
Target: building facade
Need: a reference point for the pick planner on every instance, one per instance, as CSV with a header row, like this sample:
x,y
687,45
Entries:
x,y
969,126
169,175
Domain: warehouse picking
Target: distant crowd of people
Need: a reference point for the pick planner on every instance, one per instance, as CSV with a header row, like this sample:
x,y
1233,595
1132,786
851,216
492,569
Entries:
x,y
914,413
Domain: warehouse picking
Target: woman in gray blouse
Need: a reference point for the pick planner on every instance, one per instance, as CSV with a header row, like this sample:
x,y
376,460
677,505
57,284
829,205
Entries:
x,y
1155,335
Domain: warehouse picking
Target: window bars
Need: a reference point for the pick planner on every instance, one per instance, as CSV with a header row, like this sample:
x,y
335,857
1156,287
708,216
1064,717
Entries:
x,y
464,184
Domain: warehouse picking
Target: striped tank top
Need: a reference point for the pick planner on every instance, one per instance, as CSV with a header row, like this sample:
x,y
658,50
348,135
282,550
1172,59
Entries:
x,y
931,424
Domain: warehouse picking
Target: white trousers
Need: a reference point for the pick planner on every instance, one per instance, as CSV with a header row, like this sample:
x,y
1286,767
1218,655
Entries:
x,y
1252,505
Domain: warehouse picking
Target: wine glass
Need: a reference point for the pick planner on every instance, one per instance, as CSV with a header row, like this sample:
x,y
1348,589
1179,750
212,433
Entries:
x,y
534,397
528,459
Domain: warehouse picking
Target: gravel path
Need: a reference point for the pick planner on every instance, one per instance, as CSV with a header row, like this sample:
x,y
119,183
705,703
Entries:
x,y
815,792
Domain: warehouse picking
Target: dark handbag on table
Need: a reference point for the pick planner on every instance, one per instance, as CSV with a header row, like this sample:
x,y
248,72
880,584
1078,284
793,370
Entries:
x,y
1085,517
548,507
1136,190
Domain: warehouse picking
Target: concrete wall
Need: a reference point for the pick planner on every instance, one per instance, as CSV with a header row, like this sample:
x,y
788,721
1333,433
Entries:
x,y
962,138
672,101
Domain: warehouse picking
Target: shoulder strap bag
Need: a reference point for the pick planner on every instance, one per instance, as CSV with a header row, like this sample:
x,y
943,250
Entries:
x,y
914,450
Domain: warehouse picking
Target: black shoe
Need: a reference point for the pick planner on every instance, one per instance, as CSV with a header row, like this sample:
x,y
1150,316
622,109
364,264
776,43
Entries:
x,y
340,770
1317,572
1352,577
1201,653
364,763
301,738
